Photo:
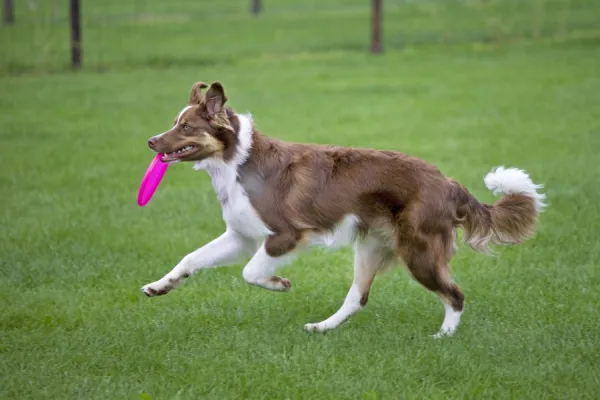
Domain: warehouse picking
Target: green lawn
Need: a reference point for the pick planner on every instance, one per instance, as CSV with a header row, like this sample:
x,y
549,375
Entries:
x,y
75,248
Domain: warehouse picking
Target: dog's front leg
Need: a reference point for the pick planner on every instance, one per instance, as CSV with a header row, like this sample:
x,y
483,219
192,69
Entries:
x,y
276,251
224,250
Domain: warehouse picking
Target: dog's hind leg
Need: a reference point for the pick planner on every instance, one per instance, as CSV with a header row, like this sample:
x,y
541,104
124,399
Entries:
x,y
224,250
452,312
427,258
369,257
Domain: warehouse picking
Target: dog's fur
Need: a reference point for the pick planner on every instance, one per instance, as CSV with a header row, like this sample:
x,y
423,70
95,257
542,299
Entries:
x,y
279,198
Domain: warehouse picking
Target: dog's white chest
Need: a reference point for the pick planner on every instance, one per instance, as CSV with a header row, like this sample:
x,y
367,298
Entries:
x,y
240,216
238,213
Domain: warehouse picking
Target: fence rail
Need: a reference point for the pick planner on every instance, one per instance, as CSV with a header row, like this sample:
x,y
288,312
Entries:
x,y
159,33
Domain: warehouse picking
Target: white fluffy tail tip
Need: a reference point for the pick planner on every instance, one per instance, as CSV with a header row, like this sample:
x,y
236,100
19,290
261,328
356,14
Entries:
x,y
512,181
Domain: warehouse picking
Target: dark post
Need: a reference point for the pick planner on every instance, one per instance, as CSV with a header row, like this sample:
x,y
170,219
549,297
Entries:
x,y
8,14
256,6
75,35
376,26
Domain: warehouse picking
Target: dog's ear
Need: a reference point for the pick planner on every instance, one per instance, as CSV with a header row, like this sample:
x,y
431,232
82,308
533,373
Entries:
x,y
196,94
214,107
215,99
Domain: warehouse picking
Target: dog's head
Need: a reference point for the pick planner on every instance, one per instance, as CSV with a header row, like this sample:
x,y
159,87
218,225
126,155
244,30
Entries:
x,y
202,129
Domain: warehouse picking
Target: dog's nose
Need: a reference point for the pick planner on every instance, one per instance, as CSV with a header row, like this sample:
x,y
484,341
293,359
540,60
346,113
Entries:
x,y
152,142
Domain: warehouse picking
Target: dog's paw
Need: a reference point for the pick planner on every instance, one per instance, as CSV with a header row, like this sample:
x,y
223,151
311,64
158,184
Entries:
x,y
152,290
279,284
442,334
318,327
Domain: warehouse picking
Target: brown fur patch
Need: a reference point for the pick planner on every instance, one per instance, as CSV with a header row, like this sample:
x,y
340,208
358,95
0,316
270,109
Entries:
x,y
212,144
364,299
196,95
510,220
207,125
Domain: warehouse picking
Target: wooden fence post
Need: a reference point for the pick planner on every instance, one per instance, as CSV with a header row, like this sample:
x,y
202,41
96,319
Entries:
x,y
75,35
8,12
255,6
376,26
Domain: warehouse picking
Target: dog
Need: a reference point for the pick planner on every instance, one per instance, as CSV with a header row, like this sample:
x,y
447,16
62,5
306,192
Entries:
x,y
279,198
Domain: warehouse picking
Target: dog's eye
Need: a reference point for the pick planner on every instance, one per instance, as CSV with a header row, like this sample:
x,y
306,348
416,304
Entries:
x,y
185,127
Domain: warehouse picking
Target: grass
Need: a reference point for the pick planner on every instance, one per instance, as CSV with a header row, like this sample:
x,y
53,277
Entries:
x,y
75,248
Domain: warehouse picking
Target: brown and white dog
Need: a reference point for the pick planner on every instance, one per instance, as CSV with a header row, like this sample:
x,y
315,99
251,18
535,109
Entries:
x,y
279,198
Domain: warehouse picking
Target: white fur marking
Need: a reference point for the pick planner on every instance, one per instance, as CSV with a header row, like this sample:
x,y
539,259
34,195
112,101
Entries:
x,y
176,122
451,321
514,180
262,266
181,113
225,249
367,261
343,234
238,213
244,139
351,306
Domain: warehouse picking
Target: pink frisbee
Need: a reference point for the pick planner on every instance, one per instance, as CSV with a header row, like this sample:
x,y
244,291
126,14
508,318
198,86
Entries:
x,y
151,180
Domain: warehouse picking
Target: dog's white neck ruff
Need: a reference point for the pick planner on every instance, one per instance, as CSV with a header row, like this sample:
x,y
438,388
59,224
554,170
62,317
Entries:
x,y
238,213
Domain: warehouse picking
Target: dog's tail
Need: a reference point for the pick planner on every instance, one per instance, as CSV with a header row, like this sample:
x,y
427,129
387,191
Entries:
x,y
510,220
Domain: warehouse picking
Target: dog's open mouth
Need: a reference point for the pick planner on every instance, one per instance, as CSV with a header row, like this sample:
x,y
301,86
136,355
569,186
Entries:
x,y
179,154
